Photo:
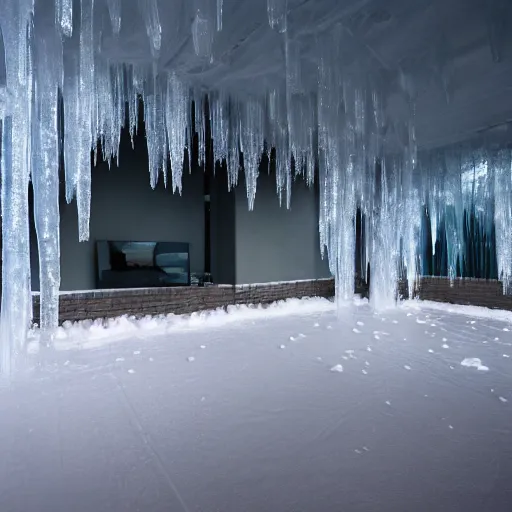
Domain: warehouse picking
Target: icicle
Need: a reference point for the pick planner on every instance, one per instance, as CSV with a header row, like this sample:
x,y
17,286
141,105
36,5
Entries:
x,y
114,9
220,126
219,14
154,107
64,16
149,12
71,97
202,35
234,145
200,126
16,307
252,141
385,248
277,12
85,114
45,177
503,217
176,120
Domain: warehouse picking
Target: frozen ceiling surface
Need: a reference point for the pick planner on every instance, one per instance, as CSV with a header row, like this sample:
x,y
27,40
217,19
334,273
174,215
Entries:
x,y
400,109
455,56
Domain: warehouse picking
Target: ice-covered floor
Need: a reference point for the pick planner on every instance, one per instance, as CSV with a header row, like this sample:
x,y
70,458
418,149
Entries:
x,y
288,409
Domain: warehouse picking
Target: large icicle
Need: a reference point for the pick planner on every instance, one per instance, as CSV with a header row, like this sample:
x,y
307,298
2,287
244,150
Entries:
x,y
176,116
385,250
503,217
16,307
64,16
45,176
154,107
252,142
71,97
85,114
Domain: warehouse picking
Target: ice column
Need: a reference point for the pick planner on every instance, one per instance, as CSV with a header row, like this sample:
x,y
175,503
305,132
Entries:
x,y
16,307
64,16
503,216
71,97
385,249
277,12
453,211
45,176
85,113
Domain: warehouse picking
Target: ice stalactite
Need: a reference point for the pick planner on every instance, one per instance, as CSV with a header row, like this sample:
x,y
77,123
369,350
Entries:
x,y
200,128
251,144
278,137
85,118
219,117
45,176
176,116
203,28
114,9
503,216
16,307
151,16
154,111
71,97
234,144
453,212
219,14
64,16
385,243
277,14
300,109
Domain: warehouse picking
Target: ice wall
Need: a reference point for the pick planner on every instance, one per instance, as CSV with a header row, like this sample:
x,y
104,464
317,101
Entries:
x,y
340,132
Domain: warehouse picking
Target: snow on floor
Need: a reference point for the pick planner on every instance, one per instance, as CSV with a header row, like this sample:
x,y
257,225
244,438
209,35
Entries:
x,y
288,408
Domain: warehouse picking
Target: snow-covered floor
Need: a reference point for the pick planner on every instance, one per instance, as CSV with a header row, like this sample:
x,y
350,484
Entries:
x,y
284,409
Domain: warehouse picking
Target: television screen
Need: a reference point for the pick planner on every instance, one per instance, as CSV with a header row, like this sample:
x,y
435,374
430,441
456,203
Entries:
x,y
130,264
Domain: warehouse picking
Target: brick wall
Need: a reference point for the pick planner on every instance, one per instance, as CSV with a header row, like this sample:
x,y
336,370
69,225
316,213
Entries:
x,y
472,292
155,301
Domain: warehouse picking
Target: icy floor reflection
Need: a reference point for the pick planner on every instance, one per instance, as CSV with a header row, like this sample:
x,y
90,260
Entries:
x,y
252,415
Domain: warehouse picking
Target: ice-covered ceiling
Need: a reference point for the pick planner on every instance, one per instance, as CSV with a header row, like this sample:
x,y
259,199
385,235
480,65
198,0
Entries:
x,y
456,54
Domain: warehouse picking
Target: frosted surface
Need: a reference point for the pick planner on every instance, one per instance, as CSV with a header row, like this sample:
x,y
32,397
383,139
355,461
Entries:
x,y
385,105
105,419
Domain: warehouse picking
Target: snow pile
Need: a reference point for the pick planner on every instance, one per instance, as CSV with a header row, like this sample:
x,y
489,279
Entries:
x,y
473,311
474,362
93,334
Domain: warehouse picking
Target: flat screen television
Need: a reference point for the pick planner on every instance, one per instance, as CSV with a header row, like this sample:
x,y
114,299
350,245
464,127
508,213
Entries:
x,y
131,264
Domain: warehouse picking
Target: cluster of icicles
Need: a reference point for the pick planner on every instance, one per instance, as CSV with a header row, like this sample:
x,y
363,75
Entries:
x,y
340,129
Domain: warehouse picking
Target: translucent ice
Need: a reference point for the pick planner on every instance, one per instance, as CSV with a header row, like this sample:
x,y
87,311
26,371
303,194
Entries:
x,y
277,13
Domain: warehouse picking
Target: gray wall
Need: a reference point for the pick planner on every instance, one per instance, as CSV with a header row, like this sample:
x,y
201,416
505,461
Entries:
x,y
124,207
222,230
273,243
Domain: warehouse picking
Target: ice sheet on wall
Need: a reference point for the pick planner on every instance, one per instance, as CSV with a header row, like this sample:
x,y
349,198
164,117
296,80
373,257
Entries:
x,y
420,210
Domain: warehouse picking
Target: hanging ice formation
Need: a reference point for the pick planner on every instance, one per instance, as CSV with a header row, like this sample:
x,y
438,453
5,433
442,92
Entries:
x,y
446,212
